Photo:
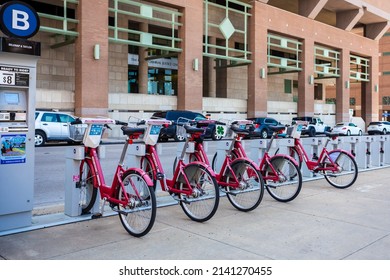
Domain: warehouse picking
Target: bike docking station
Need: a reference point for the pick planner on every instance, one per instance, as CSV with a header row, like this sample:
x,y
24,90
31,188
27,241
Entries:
x,y
73,157
18,72
384,149
363,152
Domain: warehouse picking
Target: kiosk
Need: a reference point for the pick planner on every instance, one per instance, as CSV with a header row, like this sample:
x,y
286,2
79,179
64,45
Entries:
x,y
18,60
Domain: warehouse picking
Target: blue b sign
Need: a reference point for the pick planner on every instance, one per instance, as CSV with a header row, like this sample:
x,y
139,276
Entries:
x,y
18,19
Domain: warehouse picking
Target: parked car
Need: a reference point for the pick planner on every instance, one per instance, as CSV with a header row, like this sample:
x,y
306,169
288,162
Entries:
x,y
212,128
311,126
261,127
347,128
52,126
381,127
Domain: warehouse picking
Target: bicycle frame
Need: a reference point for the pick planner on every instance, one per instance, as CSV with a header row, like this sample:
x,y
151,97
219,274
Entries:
x,y
178,174
235,146
109,192
315,165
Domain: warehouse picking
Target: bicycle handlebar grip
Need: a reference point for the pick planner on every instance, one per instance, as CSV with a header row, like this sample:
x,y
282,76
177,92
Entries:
x,y
76,121
141,122
120,123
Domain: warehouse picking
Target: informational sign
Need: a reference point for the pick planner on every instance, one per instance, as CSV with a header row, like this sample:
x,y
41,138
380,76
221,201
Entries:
x,y
14,76
13,148
18,19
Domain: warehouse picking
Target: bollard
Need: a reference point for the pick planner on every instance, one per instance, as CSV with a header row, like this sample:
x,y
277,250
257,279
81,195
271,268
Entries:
x,y
189,149
134,154
375,151
222,147
363,153
384,149
349,144
337,143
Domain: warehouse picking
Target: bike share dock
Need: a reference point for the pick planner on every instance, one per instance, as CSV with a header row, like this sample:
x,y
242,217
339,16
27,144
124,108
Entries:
x,y
321,223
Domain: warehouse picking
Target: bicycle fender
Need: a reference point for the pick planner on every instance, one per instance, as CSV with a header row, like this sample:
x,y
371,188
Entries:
x,y
341,150
144,175
248,160
285,156
206,166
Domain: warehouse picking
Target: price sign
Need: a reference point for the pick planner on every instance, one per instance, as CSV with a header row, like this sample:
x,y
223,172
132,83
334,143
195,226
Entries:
x,y
7,78
14,76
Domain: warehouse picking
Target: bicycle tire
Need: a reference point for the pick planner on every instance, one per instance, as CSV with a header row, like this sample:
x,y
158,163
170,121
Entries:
x,y
138,216
203,203
248,195
289,179
88,192
348,173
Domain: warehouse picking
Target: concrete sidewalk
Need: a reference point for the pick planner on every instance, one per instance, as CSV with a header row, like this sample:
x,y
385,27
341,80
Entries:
x,y
322,223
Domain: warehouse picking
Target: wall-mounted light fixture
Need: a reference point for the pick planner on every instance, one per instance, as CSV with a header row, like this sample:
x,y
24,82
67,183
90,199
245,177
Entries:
x,y
376,88
195,64
311,79
347,84
262,73
96,51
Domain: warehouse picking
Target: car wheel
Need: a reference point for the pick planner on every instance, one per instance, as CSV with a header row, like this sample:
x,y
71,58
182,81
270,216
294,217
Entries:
x,y
264,134
312,132
360,133
384,132
215,135
40,138
348,133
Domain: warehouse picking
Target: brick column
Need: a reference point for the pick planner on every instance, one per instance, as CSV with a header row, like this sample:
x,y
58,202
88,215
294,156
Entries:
x,y
143,64
305,88
370,97
91,75
190,93
342,91
257,86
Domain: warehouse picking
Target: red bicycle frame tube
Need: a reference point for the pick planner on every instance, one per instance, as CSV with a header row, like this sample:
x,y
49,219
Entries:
x,y
108,192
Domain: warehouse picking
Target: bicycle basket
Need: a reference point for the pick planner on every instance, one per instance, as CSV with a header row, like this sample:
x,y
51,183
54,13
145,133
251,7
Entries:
x,y
77,131
294,131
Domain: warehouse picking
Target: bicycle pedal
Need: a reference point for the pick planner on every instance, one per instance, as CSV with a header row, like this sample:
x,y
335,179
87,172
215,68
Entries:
x,y
96,216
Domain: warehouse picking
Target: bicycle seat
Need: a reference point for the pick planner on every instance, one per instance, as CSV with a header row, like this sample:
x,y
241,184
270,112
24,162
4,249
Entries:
x,y
191,129
132,130
239,130
276,127
331,134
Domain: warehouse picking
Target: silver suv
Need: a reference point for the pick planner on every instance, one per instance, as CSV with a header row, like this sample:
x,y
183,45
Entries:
x,y
51,126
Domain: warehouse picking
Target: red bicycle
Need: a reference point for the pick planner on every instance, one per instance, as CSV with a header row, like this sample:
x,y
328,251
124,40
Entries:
x,y
281,174
338,166
239,177
193,185
131,193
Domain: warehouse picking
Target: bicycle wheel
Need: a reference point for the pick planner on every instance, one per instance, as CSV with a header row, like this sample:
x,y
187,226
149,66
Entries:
x,y
203,202
139,214
249,193
294,154
147,166
88,192
347,170
283,179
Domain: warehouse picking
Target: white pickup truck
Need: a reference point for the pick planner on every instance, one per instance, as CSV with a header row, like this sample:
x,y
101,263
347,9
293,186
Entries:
x,y
311,125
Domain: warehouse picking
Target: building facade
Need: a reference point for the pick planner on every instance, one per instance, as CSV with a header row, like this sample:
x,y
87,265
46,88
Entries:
x,y
229,58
